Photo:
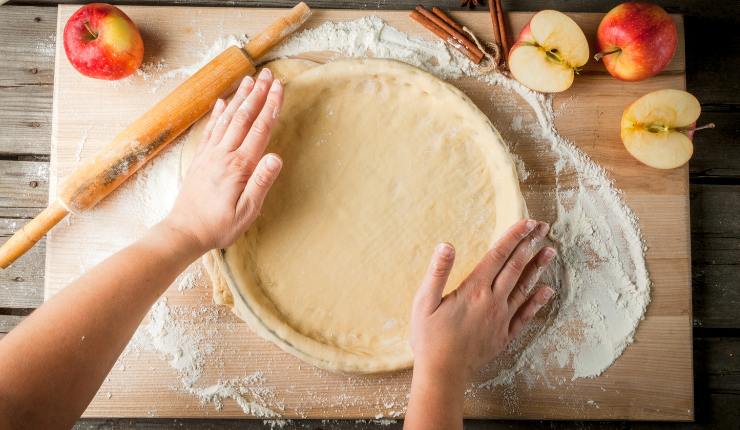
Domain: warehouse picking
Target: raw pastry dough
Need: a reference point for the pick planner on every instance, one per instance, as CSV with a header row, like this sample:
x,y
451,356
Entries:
x,y
381,162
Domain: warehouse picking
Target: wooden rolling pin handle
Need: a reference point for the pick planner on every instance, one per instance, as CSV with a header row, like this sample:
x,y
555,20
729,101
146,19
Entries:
x,y
152,132
277,31
25,238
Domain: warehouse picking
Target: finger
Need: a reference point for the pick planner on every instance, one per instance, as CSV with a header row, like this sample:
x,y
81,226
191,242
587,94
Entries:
x,y
218,109
245,115
529,309
496,257
259,135
518,260
529,277
223,121
265,174
429,295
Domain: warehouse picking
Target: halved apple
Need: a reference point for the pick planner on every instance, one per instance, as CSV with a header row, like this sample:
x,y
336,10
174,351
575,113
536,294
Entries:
x,y
657,128
548,53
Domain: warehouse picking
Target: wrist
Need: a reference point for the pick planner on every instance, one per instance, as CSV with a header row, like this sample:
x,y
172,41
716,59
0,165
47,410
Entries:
x,y
435,389
179,238
452,376
436,366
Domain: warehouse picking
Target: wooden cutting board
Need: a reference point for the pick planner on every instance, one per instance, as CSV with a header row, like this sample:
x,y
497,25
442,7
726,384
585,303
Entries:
x,y
652,380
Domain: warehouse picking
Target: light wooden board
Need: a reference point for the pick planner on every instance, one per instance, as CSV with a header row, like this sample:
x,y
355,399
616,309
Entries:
x,y
652,380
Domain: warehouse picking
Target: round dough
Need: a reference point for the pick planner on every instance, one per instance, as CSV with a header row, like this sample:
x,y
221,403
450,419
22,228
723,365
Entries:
x,y
382,161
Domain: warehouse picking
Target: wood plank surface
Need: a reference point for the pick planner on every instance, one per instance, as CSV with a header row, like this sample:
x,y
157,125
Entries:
x,y
715,170
7,322
717,154
28,37
24,187
717,367
645,371
24,183
716,253
22,284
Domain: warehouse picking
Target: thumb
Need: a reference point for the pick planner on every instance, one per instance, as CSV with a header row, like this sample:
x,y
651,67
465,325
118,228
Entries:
x,y
429,295
259,183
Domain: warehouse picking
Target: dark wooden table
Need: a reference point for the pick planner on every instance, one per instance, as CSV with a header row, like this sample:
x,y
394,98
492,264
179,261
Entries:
x,y
27,47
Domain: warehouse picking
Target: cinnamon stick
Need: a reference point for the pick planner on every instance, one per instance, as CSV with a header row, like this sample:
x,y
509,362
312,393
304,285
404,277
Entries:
x,y
440,13
494,21
502,29
444,35
477,53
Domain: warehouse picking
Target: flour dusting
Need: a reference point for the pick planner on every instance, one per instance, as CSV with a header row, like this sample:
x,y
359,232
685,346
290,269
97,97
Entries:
x,y
602,283
180,335
82,142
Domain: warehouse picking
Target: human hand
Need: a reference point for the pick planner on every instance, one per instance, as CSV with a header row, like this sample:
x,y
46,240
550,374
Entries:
x,y
223,190
455,336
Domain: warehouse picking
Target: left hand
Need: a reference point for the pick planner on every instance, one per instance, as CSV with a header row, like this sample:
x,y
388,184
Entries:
x,y
229,177
456,335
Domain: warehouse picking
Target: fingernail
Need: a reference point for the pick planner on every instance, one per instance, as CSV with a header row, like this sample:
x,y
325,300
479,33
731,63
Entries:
x,y
273,163
548,293
531,224
265,74
445,250
276,86
247,82
549,253
219,104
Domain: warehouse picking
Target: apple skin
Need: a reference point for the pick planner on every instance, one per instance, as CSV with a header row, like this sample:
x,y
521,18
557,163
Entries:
x,y
114,49
525,36
646,36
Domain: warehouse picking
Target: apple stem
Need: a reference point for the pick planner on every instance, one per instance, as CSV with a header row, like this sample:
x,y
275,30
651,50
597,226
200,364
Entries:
x,y
602,54
688,130
90,30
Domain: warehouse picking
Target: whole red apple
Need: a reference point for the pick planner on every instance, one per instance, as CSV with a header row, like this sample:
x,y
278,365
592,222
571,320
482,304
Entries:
x,y
636,41
102,42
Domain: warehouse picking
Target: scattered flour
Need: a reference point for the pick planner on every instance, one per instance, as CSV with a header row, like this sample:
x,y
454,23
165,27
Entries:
x,y
601,278
152,69
82,142
190,277
181,336
517,123
521,168
161,77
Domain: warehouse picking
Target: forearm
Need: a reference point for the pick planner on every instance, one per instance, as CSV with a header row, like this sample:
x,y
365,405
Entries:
x,y
53,363
436,400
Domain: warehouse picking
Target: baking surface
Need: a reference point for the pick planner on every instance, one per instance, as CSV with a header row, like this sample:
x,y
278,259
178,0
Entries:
x,y
652,380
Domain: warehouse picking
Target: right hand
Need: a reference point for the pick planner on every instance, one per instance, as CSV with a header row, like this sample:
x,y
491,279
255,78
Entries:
x,y
456,335
229,177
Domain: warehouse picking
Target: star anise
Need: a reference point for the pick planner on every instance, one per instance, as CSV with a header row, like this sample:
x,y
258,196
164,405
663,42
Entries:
x,y
470,3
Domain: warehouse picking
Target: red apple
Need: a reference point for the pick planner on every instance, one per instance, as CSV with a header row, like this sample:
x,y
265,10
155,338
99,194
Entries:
x,y
102,42
549,52
636,41
658,127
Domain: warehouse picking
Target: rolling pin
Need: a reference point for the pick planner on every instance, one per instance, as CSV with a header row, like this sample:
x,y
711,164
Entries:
x,y
151,133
